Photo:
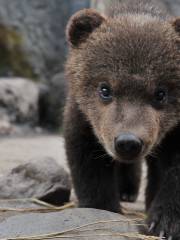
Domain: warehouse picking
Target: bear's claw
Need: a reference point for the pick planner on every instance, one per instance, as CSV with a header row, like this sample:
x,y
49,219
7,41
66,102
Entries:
x,y
151,227
165,229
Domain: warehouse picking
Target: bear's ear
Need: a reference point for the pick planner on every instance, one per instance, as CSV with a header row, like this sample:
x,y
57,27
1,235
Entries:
x,y
176,25
81,25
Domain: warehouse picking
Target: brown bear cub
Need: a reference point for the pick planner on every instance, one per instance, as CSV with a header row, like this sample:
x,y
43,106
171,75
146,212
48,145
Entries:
x,y
123,106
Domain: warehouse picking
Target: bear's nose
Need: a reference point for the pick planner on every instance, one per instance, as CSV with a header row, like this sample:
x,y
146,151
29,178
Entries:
x,y
128,146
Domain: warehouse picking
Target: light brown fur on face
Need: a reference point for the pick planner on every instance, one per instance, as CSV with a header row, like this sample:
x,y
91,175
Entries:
x,y
128,118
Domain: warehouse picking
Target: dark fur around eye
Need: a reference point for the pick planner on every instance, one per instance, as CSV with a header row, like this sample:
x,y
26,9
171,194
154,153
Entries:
x,y
160,98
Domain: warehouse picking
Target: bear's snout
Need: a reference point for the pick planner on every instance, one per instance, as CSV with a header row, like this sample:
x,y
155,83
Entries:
x,y
128,146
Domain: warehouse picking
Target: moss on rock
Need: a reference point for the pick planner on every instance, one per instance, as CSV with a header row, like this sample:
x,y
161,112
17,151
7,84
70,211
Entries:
x,y
13,60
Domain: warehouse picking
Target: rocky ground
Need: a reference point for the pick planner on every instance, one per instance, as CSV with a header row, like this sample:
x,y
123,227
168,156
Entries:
x,y
15,151
19,150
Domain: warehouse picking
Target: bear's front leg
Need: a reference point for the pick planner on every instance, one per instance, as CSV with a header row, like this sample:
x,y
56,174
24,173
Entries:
x,y
164,213
129,176
92,170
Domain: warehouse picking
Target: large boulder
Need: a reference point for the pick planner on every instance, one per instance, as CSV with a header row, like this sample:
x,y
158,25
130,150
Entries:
x,y
38,28
33,45
40,178
101,225
18,101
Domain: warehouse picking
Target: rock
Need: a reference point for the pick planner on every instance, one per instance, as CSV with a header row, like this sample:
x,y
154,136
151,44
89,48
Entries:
x,y
18,101
172,6
40,29
6,127
45,223
51,102
40,178
33,45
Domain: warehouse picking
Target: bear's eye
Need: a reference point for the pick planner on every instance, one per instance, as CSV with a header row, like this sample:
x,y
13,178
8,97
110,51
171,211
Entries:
x,y
160,98
105,92
160,95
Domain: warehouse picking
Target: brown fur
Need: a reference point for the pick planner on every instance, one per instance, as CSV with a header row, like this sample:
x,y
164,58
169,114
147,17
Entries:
x,y
135,53
146,51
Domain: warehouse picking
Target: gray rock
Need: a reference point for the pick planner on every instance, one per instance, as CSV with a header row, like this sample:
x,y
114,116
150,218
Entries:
x,y
41,26
51,102
45,223
6,128
37,30
40,178
172,6
18,100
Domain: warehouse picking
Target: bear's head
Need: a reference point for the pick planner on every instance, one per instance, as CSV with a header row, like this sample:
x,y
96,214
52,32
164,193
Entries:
x,y
124,74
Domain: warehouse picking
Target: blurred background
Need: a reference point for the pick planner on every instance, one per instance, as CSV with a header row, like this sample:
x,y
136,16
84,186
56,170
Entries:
x,y
33,52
